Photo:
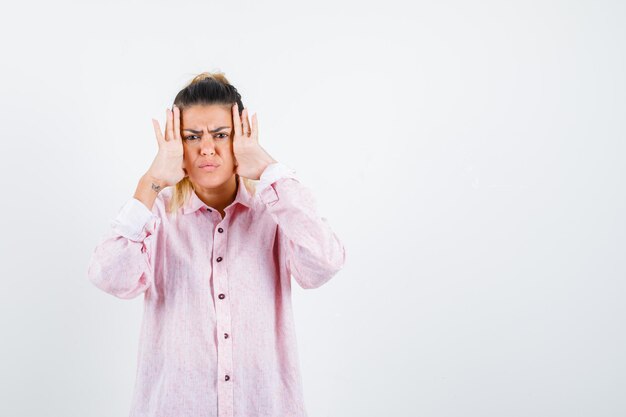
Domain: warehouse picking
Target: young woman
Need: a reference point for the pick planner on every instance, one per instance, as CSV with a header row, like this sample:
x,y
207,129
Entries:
x,y
214,254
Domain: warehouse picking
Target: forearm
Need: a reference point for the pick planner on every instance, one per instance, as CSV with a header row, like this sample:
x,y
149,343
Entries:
x,y
147,190
121,264
313,252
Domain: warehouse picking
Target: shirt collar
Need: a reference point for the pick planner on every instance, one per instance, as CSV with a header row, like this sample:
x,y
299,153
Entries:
x,y
243,197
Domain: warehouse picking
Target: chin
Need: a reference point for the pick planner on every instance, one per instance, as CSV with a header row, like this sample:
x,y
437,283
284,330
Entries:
x,y
211,180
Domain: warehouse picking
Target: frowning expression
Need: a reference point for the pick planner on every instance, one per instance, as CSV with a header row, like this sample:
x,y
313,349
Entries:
x,y
206,132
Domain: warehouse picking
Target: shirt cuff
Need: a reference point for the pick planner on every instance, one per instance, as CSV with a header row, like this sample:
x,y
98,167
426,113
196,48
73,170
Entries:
x,y
131,220
274,172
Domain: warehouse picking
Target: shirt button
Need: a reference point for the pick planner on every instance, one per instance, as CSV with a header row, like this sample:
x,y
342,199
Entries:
x,y
220,230
221,296
219,259
225,335
226,377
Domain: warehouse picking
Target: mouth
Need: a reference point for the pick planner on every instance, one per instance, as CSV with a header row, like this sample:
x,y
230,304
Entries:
x,y
208,167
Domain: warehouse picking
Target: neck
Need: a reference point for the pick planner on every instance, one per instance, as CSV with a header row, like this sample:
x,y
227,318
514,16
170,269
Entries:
x,y
219,197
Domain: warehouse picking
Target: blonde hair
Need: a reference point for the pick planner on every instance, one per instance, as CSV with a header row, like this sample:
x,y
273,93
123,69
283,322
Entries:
x,y
204,89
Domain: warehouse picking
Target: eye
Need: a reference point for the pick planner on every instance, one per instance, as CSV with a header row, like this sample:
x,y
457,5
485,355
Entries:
x,y
225,135
191,136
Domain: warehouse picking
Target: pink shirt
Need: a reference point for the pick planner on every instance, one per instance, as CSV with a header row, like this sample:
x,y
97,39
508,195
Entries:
x,y
217,336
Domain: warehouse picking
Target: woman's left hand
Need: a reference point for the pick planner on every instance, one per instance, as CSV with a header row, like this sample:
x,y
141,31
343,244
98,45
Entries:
x,y
250,158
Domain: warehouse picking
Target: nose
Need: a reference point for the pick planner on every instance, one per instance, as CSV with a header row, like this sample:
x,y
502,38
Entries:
x,y
207,146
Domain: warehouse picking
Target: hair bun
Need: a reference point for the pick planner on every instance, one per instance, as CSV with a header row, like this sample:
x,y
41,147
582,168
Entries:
x,y
217,76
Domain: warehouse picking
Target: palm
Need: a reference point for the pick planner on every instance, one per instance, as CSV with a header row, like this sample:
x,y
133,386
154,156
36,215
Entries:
x,y
168,164
250,157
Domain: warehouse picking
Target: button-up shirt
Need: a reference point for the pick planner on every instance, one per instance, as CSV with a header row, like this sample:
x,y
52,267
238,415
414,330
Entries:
x,y
218,336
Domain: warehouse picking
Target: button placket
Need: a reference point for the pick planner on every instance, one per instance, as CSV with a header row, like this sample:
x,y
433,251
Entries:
x,y
223,318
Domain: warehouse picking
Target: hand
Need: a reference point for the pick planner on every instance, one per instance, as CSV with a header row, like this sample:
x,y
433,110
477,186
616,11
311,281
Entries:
x,y
167,166
250,158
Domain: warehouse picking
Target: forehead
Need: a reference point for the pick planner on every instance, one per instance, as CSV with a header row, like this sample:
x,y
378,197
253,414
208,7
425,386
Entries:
x,y
210,116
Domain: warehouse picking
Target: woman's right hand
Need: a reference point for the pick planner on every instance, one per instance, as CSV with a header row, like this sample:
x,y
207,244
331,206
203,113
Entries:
x,y
167,166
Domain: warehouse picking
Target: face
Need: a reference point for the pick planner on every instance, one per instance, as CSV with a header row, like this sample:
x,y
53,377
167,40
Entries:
x,y
206,132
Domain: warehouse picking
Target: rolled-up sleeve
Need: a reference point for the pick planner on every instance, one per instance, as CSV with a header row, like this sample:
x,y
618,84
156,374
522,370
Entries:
x,y
122,263
313,253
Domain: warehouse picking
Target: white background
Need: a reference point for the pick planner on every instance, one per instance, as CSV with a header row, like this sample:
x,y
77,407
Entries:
x,y
470,155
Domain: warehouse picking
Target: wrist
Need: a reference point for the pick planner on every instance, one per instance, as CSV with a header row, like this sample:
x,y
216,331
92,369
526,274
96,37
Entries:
x,y
154,183
267,163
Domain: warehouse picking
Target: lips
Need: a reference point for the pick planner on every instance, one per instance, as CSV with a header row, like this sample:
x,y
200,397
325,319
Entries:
x,y
208,164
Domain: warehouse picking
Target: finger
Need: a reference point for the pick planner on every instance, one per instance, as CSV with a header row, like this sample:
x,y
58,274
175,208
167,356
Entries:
x,y
157,131
176,123
246,122
169,128
236,120
255,127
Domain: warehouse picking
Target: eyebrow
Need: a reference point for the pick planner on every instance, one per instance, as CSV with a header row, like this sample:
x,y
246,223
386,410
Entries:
x,y
217,129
